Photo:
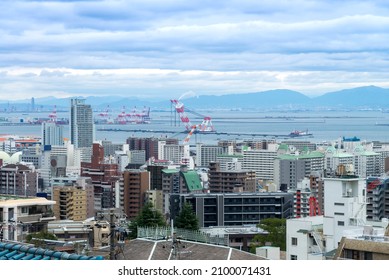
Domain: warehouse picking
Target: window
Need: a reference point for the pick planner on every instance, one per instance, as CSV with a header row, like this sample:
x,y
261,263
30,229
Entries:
x,y
294,241
340,223
339,214
338,204
293,257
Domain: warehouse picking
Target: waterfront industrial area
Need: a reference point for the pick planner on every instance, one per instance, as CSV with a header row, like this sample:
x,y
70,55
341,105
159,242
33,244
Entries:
x,y
88,191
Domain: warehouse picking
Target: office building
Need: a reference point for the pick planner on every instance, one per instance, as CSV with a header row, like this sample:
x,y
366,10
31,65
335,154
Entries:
x,y
81,124
235,209
52,134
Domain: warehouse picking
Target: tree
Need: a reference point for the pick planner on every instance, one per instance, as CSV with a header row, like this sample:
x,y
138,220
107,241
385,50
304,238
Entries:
x,y
148,217
38,237
187,218
276,236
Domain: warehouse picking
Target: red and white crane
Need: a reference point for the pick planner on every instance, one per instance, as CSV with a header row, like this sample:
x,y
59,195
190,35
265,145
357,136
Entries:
x,y
53,115
205,126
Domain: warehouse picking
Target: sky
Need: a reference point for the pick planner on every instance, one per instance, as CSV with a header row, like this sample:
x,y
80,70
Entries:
x,y
160,50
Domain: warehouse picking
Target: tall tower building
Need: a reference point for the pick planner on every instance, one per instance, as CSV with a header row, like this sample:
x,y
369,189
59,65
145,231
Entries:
x,y
52,134
81,124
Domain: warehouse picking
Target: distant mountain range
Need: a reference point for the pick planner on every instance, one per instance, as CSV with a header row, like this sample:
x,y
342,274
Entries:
x,y
361,97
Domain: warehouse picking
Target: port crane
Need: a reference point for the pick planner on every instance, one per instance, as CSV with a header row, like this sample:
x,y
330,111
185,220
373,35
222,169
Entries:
x,y
205,126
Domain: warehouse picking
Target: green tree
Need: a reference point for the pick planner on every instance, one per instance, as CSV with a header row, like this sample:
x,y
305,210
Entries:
x,y
148,217
187,218
276,236
37,237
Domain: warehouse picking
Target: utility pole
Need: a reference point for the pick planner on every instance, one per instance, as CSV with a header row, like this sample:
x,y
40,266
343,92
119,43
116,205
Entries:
x,y
112,234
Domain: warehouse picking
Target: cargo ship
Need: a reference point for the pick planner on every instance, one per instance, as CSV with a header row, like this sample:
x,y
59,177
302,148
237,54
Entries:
x,y
298,133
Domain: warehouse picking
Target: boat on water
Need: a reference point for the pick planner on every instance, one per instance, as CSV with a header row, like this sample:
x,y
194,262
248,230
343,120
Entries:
x,y
299,133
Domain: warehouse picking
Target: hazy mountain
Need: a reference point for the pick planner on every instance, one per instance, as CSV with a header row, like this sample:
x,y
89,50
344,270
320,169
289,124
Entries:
x,y
355,97
370,96
271,98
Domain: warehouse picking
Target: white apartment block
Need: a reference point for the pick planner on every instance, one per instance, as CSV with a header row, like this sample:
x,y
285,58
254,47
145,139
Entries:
x,y
334,158
52,134
344,207
344,211
175,153
261,161
137,156
303,238
207,153
368,163
230,162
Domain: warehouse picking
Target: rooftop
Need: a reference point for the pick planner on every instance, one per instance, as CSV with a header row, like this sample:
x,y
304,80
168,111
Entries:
x,y
18,251
308,155
144,249
192,180
8,200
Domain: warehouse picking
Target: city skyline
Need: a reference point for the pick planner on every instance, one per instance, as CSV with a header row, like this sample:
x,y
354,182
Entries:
x,y
152,49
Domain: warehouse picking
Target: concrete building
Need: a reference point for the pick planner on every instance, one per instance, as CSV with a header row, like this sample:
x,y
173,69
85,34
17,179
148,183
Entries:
x,y
81,124
110,148
230,162
261,161
22,215
230,181
344,207
137,156
71,203
84,236
300,145
178,181
367,163
377,207
155,197
175,153
52,134
152,146
83,183
207,153
18,179
304,238
335,158
131,192
370,244
289,169
103,175
155,170
236,209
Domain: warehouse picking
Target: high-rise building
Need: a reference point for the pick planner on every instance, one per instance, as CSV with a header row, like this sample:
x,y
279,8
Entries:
x,y
207,153
261,161
81,124
71,203
52,134
132,191
103,174
289,169
223,181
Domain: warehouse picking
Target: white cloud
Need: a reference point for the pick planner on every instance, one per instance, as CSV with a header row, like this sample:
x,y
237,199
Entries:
x,y
217,47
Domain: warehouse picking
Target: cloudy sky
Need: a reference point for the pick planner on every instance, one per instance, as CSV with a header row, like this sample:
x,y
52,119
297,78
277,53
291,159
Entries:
x,y
161,49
